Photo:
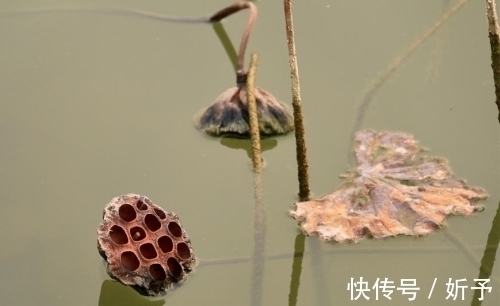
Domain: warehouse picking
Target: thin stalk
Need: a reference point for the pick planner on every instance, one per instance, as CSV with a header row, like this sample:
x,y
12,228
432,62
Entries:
x,y
225,12
259,209
252,113
466,250
380,80
300,143
351,251
493,33
436,54
462,246
489,256
109,10
259,241
235,7
215,19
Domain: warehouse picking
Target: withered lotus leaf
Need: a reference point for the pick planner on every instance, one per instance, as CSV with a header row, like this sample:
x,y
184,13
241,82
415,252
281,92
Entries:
x,y
394,190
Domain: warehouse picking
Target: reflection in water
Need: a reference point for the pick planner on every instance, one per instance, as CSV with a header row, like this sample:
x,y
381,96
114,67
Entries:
x,y
114,293
437,51
106,10
488,260
229,114
40,148
266,144
296,269
318,268
380,80
224,39
259,241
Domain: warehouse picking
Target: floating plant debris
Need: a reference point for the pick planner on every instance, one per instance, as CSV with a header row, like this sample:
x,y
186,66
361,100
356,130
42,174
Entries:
x,y
228,115
143,245
394,190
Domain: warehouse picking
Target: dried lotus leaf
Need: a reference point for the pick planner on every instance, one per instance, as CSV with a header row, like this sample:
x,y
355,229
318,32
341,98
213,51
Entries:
x,y
394,190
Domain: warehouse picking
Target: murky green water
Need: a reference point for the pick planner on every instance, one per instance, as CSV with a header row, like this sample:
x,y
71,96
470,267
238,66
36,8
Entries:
x,y
96,105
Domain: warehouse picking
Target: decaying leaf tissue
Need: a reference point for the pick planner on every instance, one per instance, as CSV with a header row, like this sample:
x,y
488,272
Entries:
x,y
394,190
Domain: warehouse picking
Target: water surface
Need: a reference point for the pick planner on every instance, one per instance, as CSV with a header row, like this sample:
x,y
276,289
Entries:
x,y
96,105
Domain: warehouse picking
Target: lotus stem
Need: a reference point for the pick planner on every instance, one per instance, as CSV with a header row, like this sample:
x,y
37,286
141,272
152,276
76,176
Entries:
x,y
109,10
233,8
237,61
300,143
259,209
493,33
490,251
252,113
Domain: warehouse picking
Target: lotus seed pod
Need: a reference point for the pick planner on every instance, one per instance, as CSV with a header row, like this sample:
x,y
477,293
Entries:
x,y
144,246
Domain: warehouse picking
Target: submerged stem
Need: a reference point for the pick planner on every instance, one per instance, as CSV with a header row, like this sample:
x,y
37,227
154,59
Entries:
x,y
380,80
109,10
300,142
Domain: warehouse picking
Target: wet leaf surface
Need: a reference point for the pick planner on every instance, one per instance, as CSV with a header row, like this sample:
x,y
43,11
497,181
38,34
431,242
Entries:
x,y
394,190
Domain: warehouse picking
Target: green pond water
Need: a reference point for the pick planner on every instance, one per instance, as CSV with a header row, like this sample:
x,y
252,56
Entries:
x,y
98,105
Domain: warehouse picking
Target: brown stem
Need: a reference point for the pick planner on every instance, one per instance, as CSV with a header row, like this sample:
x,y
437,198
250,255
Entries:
x,y
489,255
253,115
108,10
259,210
300,142
493,30
233,8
